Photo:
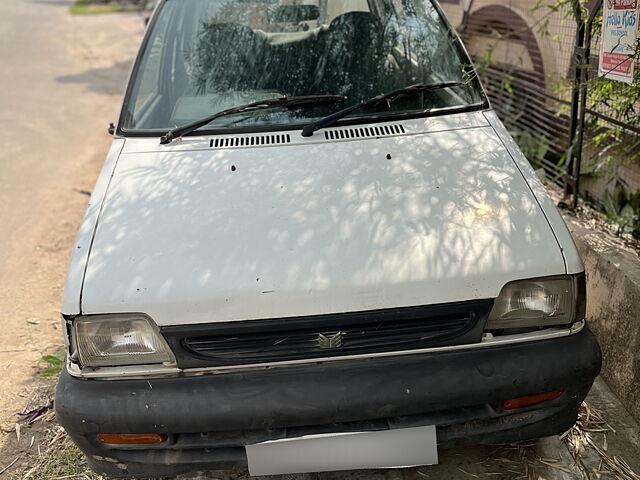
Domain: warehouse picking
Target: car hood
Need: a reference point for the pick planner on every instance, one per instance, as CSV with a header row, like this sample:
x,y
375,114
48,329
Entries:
x,y
209,235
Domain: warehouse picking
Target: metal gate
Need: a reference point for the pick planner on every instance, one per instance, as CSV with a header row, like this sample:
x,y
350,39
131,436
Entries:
x,y
564,124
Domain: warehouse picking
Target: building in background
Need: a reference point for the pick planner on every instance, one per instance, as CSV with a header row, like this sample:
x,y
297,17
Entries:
x,y
526,53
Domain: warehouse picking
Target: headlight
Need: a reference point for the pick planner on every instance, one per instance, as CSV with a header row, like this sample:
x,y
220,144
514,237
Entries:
x,y
119,340
538,302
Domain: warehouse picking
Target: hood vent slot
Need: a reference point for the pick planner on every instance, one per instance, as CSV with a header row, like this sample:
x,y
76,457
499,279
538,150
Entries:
x,y
364,132
250,141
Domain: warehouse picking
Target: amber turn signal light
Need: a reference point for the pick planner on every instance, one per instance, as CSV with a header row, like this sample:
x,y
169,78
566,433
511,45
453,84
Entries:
x,y
529,400
132,438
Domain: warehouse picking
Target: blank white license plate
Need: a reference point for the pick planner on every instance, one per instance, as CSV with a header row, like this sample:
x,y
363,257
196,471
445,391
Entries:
x,y
405,447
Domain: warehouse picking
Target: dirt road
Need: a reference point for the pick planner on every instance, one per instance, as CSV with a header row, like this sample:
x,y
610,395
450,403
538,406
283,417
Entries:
x,y
61,79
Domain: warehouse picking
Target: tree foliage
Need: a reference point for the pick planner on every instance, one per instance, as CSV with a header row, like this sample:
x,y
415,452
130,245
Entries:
x,y
611,144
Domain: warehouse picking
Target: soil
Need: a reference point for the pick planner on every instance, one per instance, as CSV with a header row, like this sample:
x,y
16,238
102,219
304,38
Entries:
x,y
592,218
48,164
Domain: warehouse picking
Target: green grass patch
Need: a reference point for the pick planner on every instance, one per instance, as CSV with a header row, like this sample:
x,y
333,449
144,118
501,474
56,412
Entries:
x,y
86,7
54,363
62,460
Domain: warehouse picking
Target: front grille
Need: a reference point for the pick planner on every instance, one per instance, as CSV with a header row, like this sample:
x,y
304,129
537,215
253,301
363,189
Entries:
x,y
310,337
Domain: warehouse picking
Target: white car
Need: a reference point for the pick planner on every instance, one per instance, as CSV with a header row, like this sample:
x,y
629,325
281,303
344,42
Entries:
x,y
314,246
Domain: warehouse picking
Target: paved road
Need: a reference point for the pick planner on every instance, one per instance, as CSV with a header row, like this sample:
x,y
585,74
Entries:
x,y
60,84
52,113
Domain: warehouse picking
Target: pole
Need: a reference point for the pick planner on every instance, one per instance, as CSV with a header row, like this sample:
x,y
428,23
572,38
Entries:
x,y
569,181
579,96
583,95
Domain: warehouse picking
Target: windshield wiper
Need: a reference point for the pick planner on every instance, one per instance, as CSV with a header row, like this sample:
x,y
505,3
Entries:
x,y
288,102
329,120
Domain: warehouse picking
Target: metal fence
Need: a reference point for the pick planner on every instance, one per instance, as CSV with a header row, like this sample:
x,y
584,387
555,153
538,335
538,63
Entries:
x,y
535,113
604,164
559,115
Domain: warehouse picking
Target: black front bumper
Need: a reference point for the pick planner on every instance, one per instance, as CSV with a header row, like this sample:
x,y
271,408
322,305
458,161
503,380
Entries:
x,y
210,418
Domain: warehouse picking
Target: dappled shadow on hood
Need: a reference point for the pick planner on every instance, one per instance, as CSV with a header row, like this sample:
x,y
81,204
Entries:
x,y
263,232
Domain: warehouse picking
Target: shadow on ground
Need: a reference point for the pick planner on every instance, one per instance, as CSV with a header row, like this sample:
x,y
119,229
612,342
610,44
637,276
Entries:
x,y
103,80
500,462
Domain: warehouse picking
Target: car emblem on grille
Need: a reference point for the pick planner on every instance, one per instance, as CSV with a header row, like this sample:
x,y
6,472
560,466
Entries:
x,y
330,341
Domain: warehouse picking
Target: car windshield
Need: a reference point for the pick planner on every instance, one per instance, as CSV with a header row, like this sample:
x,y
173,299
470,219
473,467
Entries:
x,y
204,56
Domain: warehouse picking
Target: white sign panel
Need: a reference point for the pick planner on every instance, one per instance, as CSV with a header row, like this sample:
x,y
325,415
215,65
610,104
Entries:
x,y
619,39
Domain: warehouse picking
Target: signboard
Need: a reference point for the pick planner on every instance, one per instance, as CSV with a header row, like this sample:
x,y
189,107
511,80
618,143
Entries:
x,y
619,39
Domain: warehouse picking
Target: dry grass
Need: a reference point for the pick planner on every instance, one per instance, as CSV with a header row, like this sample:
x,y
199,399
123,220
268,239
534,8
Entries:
x,y
61,460
53,456
581,442
522,462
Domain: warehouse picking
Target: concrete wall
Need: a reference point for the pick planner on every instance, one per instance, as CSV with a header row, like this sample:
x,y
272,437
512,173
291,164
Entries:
x,y
613,309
